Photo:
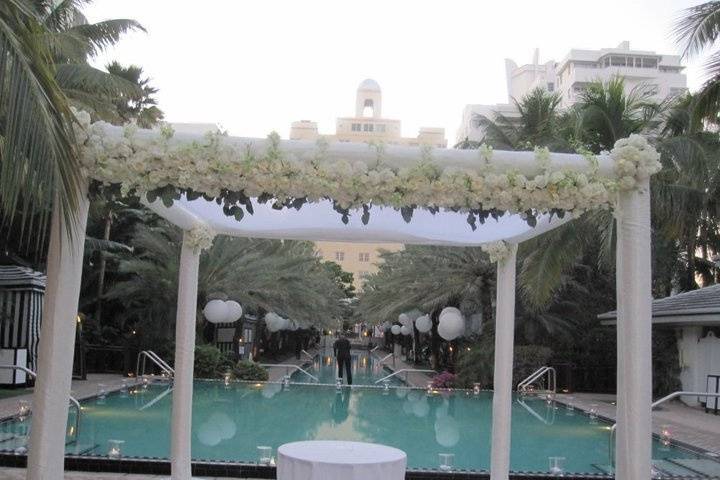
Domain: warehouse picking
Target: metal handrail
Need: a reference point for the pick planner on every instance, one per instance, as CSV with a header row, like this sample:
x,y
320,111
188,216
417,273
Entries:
x,y
405,370
552,379
653,405
374,348
537,415
72,399
288,367
308,355
155,358
386,357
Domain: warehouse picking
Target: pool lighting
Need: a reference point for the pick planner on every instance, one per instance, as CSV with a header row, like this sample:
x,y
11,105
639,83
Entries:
x,y
115,448
476,388
665,436
226,379
592,413
102,390
430,390
447,461
264,455
556,465
23,410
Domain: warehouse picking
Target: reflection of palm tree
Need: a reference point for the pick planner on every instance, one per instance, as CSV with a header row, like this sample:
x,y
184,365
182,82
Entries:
x,y
341,405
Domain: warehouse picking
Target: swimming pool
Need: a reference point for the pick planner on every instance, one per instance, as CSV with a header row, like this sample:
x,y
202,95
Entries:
x,y
229,422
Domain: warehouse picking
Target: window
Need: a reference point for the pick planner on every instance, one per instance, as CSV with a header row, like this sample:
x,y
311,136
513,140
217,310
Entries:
x,y
364,257
649,62
551,87
380,128
355,127
339,256
247,335
368,127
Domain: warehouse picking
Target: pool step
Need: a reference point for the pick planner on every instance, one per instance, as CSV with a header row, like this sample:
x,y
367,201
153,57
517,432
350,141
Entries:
x,y
676,467
670,468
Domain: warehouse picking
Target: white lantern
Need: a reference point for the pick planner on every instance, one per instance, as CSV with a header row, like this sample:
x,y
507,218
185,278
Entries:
x,y
451,325
423,324
395,329
235,311
447,310
404,319
274,322
216,311
405,330
447,431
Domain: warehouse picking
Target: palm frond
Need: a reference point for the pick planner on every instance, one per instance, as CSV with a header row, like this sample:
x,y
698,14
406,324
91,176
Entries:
x,y
698,28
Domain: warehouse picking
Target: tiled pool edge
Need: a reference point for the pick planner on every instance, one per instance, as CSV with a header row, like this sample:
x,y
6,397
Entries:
x,y
246,470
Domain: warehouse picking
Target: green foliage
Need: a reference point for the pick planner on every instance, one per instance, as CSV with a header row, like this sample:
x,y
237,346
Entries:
x,y
342,278
210,362
527,359
666,363
476,364
250,371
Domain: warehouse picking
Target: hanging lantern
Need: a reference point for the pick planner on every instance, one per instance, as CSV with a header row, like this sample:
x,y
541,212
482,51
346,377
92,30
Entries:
x,y
404,319
235,311
216,311
405,330
274,322
423,324
395,329
452,324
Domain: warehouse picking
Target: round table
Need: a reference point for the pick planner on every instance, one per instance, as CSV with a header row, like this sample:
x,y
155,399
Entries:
x,y
333,460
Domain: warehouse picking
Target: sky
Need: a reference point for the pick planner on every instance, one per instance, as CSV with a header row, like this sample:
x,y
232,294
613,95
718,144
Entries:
x,y
255,66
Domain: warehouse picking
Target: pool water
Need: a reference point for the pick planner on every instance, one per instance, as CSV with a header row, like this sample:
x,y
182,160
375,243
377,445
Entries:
x,y
365,367
229,422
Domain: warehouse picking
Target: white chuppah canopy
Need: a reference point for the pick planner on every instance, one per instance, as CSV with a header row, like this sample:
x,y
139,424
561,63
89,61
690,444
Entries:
x,y
206,184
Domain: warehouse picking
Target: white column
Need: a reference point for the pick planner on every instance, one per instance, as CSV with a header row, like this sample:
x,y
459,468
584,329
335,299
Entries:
x,y
181,432
46,451
502,378
634,300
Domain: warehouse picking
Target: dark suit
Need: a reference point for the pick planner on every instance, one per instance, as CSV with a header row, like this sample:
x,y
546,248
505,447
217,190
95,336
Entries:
x,y
341,348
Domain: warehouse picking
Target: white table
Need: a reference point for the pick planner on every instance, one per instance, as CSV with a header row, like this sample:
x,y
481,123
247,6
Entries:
x,y
333,460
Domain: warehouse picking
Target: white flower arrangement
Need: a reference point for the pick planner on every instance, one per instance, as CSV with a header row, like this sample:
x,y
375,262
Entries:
x,y
635,161
152,164
200,238
497,251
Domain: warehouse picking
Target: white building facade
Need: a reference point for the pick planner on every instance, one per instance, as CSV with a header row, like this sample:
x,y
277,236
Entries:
x,y
662,74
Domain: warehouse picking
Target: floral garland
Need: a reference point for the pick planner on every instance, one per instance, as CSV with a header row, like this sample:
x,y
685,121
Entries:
x,y
154,166
497,251
200,238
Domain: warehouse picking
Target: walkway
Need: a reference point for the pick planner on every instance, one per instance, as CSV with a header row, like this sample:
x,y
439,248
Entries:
x,y
19,474
413,379
80,389
688,425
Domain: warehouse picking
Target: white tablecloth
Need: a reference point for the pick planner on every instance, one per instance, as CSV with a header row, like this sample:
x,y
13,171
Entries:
x,y
337,460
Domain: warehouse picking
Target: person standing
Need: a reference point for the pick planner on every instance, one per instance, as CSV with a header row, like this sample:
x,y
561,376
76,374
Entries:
x,y
341,348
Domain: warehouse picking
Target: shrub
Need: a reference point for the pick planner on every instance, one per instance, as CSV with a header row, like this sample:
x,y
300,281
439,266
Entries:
x,y
444,380
527,359
246,370
210,362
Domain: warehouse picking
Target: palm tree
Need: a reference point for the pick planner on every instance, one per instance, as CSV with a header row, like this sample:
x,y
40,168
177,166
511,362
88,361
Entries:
x,y
536,124
141,106
698,31
38,165
271,275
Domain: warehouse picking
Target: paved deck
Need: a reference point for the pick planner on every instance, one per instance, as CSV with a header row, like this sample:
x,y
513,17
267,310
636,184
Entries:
x,y
80,389
413,379
688,425
19,474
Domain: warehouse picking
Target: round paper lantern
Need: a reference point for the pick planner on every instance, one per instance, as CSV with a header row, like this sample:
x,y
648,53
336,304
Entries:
x,y
421,408
405,330
235,311
274,322
452,324
292,325
216,311
447,310
395,329
404,319
423,324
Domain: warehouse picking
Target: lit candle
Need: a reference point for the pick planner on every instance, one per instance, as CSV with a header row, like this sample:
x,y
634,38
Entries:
x,y
476,388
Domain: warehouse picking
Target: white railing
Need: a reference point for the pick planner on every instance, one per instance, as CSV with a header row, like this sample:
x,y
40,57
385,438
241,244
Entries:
x,y
537,376
311,357
288,368
405,371
155,358
653,405
72,399
548,411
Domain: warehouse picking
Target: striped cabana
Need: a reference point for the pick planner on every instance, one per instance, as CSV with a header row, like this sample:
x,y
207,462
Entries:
x,y
21,301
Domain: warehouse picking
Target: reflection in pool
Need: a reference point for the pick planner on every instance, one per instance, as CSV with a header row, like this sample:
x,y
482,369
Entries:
x,y
230,422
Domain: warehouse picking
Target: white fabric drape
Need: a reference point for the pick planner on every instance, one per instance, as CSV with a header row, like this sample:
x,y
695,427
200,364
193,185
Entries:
x,y
634,302
57,341
181,437
502,378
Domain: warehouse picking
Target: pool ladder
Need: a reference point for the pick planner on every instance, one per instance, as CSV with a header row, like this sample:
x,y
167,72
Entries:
x,y
73,400
154,358
538,376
